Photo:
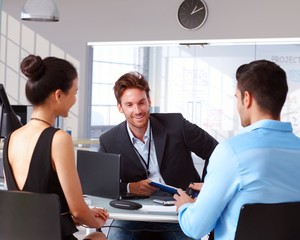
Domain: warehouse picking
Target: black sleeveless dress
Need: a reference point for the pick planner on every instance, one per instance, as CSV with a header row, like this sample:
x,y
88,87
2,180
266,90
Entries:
x,y
42,178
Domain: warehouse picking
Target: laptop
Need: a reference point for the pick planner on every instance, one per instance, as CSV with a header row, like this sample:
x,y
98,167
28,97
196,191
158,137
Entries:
x,y
99,174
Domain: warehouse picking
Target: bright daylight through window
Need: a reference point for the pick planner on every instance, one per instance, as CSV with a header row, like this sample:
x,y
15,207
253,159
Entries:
x,y
196,81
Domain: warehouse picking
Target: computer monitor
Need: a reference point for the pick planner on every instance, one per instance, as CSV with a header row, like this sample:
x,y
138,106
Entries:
x,y
9,121
23,112
1,155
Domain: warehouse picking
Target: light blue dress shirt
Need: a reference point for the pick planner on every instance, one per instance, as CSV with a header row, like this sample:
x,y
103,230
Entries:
x,y
143,148
260,165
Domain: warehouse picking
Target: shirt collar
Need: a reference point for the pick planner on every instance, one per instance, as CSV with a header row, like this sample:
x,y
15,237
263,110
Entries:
x,y
133,138
269,124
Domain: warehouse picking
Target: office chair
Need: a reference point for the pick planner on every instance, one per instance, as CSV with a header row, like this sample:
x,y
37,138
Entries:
x,y
273,221
29,216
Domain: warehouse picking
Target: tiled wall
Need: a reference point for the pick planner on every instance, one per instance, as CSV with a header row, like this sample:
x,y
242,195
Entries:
x,y
17,41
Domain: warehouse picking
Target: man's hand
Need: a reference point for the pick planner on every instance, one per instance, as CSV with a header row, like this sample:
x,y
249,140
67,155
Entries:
x,y
142,187
182,198
196,186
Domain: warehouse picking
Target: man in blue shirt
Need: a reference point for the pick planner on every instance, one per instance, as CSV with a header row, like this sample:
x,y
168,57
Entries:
x,y
260,165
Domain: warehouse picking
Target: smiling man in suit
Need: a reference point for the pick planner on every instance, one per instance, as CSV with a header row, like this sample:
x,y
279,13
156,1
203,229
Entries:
x,y
153,146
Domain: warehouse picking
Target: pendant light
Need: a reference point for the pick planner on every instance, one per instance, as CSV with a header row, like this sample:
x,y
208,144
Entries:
x,y
40,10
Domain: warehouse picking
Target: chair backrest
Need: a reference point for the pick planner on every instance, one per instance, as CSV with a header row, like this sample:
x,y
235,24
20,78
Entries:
x,y
26,215
266,221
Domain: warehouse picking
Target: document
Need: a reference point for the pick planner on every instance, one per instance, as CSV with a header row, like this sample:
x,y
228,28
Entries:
x,y
158,208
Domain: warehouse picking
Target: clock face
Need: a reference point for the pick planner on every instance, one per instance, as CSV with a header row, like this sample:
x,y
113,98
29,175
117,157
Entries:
x,y
192,14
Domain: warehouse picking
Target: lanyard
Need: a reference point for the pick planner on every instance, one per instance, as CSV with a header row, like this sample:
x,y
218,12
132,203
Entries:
x,y
141,157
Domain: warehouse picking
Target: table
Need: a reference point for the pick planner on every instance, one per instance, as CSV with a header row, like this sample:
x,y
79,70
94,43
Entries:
x,y
150,211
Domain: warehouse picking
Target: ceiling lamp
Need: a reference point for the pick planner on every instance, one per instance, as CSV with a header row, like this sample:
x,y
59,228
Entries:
x,y
40,10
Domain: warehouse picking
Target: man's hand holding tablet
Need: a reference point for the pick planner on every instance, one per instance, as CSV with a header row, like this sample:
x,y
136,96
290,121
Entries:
x,y
164,187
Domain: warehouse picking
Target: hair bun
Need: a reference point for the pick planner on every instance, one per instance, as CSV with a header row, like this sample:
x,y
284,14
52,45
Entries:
x,y
32,67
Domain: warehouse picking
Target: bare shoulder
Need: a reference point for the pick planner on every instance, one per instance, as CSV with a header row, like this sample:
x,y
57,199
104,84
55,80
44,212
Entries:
x,y
62,148
61,138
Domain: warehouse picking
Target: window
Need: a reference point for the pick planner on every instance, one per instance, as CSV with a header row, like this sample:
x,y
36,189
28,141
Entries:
x,y
197,81
109,63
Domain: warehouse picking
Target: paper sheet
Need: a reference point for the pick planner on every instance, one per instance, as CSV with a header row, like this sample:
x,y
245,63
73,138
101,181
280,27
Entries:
x,y
158,208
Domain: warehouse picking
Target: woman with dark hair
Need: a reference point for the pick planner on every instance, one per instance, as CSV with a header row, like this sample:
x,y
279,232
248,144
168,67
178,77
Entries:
x,y
40,158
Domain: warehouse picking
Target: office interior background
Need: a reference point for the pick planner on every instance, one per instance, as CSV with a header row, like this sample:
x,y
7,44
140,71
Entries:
x,y
189,71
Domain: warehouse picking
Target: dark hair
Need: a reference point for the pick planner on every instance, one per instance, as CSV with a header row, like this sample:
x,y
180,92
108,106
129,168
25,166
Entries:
x,y
130,80
46,76
267,82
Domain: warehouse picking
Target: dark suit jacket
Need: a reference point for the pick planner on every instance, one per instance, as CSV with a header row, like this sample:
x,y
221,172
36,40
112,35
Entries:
x,y
174,138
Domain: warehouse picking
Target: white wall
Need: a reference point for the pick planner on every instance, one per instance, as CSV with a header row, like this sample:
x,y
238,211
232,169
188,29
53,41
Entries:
x,y
137,20
140,20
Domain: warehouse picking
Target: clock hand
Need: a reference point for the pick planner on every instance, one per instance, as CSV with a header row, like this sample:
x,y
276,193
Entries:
x,y
196,10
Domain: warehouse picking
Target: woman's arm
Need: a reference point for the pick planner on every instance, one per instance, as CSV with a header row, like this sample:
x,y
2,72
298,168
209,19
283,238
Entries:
x,y
64,162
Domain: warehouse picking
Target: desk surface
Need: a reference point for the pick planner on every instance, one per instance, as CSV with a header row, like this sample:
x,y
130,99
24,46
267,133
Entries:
x,y
151,211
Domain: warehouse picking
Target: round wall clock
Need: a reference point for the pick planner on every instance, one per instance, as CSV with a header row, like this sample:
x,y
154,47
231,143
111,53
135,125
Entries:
x,y
192,14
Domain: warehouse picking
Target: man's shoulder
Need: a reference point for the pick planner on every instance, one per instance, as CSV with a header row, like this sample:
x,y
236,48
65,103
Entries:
x,y
242,142
166,115
167,120
113,131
